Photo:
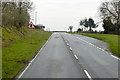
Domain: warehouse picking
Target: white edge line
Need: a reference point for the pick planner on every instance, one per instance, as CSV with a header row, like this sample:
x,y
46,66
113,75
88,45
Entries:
x,y
70,48
32,61
103,50
24,71
99,48
92,44
88,75
115,57
76,56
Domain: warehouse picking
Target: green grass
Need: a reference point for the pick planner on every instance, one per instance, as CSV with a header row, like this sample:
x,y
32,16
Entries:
x,y
20,51
0,54
111,39
0,63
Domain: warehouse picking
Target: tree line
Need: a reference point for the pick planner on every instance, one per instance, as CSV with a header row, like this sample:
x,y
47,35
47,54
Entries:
x,y
16,13
109,14
87,24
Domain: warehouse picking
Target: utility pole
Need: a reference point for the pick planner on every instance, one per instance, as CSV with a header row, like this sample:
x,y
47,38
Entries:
x,y
35,18
119,18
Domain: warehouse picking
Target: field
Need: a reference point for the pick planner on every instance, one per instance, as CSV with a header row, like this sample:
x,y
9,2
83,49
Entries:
x,y
17,53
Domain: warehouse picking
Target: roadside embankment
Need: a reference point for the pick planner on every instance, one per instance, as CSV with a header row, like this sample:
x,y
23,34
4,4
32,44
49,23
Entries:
x,y
17,49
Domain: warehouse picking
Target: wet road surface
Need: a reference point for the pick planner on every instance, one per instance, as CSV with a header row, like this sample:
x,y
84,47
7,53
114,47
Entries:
x,y
73,56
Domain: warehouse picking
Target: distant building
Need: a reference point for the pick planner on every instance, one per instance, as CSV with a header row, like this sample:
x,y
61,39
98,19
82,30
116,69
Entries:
x,y
40,26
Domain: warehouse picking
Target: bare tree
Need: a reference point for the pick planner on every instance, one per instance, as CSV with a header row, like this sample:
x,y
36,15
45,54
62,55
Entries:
x,y
109,9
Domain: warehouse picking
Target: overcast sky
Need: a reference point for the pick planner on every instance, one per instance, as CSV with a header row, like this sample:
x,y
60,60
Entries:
x,y
59,14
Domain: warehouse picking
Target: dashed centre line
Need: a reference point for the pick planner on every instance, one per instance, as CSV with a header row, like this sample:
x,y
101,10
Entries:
x,y
76,56
67,44
88,75
70,48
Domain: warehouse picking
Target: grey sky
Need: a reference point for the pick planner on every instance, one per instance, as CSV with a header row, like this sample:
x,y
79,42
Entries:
x,y
59,14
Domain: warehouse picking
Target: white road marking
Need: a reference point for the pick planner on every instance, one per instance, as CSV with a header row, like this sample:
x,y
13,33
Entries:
x,y
24,71
115,57
76,56
99,48
32,60
70,48
91,44
88,75
67,44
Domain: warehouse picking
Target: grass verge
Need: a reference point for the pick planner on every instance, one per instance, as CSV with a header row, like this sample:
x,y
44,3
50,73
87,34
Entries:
x,y
111,39
20,51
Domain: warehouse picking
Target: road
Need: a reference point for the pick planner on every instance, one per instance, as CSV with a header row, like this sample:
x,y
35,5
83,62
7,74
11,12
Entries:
x,y
72,56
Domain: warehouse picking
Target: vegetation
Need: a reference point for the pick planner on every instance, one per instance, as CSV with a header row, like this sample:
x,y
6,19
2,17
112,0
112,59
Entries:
x,y
88,23
70,28
79,30
110,15
109,26
111,39
91,24
17,53
17,49
16,46
16,14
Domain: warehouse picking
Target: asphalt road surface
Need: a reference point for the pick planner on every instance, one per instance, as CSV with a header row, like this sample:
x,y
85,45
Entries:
x,y
72,56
